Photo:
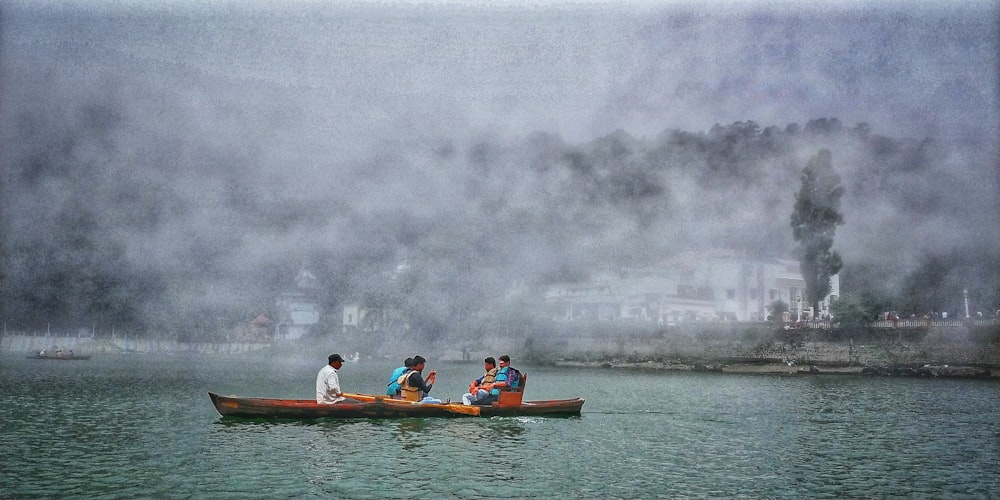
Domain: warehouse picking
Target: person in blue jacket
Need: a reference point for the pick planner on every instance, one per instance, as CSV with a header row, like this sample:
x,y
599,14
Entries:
x,y
392,388
506,377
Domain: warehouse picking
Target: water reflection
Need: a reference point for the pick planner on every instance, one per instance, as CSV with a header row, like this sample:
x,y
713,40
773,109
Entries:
x,y
412,433
507,428
244,423
408,431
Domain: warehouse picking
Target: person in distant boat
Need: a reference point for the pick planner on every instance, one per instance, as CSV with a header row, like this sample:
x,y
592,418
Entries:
x,y
479,389
393,387
412,385
328,382
41,353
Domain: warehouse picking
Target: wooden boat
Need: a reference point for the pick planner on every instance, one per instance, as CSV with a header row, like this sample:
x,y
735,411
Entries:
x,y
367,406
63,357
383,407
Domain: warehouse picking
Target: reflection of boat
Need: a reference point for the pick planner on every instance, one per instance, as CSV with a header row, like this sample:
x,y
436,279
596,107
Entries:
x,y
61,356
382,407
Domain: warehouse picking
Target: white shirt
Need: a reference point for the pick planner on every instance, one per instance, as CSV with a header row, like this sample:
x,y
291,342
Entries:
x,y
328,386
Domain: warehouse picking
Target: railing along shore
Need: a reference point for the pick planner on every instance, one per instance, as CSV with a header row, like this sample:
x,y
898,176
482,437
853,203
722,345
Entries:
x,y
903,323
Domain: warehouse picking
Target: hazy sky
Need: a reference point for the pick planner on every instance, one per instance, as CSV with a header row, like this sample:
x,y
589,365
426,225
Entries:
x,y
357,103
581,70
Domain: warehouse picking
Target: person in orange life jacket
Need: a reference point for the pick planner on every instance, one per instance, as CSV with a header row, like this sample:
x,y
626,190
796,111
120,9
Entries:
x,y
478,393
414,381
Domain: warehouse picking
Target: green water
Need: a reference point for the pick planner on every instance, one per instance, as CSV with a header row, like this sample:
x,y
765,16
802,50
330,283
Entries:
x,y
131,426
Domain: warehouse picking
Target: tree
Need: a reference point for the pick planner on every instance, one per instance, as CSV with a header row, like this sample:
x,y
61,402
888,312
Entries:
x,y
814,221
777,309
853,312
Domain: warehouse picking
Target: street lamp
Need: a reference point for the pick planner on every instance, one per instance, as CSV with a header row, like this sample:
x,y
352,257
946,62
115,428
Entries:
x,y
965,294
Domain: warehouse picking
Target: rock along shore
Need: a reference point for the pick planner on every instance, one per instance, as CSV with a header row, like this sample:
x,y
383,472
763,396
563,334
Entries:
x,y
964,351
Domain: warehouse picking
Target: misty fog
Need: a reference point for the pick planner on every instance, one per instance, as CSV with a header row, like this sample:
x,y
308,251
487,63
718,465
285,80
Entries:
x,y
174,164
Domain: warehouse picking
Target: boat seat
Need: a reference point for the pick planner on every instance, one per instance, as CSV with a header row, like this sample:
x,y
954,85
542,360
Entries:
x,y
513,396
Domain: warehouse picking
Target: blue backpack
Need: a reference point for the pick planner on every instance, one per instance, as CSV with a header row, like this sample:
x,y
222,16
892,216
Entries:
x,y
393,388
513,377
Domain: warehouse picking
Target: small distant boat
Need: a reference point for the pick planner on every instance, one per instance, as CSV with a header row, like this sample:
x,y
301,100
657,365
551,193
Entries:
x,y
63,356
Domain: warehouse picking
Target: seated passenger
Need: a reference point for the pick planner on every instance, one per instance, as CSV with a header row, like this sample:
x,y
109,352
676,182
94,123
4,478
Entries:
x,y
412,385
479,389
393,388
507,377
328,382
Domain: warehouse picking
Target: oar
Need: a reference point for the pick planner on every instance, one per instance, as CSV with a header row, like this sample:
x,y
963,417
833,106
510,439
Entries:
x,y
463,409
367,398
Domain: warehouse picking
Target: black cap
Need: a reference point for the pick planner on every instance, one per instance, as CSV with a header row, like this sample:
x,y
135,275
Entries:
x,y
335,357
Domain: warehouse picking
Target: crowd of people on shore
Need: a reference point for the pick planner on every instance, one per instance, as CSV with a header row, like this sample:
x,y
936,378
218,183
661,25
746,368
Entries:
x,y
408,383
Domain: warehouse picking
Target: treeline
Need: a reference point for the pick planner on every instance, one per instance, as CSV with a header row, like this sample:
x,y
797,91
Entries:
x,y
443,230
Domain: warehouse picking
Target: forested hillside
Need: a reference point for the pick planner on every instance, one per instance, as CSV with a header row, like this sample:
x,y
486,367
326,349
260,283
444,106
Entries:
x,y
196,245
170,167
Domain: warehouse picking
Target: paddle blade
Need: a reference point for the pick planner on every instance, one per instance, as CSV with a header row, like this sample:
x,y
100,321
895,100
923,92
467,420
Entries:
x,y
463,409
366,398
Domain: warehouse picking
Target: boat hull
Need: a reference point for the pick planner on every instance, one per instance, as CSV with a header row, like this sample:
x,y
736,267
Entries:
x,y
378,408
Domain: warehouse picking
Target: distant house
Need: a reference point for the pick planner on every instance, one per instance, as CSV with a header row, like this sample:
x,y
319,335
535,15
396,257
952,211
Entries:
x,y
352,316
256,330
360,318
260,327
298,309
703,286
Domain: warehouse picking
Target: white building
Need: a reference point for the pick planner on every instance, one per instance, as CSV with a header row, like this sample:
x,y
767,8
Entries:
x,y
702,286
368,318
298,309
373,319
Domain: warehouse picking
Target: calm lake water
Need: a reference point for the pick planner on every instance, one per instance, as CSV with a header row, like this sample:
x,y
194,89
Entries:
x,y
130,426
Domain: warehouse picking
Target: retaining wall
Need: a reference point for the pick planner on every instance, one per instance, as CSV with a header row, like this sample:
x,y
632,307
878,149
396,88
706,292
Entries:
x,y
915,346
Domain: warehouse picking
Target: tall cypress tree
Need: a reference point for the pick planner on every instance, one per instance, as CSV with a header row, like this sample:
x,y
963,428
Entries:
x,y
814,222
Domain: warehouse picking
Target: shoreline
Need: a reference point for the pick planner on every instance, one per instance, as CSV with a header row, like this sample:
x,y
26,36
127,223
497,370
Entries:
x,y
782,368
